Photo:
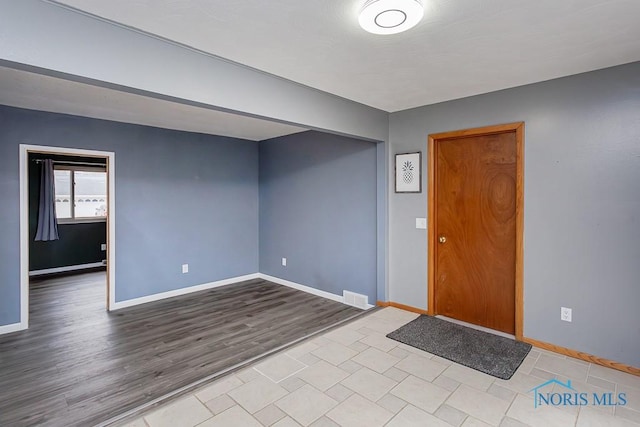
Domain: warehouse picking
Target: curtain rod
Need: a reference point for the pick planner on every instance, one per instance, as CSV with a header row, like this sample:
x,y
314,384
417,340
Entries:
x,y
64,162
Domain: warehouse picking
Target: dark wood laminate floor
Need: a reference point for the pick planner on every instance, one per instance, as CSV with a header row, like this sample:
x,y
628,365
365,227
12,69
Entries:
x,y
80,365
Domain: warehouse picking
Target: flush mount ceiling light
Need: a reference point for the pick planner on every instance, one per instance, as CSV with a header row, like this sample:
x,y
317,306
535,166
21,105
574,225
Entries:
x,y
390,16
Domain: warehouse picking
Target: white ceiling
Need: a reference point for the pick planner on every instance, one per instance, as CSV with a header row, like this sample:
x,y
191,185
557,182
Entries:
x,y
461,48
38,92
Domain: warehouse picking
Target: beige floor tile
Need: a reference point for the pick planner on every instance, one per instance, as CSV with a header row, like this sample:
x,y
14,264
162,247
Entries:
x,y
510,422
350,366
324,422
269,415
632,396
441,360
380,342
306,404
599,382
187,412
583,387
291,383
257,393
392,313
411,416
522,409
391,403
453,416
421,367
247,375
628,414
339,393
344,336
474,422
384,326
527,365
334,353
357,411
415,351
468,376
399,353
396,374
358,346
520,383
376,360
534,353
285,422
322,375
543,375
562,366
321,341
501,392
369,384
446,383
302,349
220,404
135,423
420,393
235,416
218,388
368,331
309,359
479,404
591,417
279,367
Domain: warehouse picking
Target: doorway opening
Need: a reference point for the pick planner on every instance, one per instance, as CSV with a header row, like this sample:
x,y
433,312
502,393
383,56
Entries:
x,y
476,223
85,205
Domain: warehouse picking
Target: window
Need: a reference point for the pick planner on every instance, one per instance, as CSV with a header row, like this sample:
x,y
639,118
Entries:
x,y
81,194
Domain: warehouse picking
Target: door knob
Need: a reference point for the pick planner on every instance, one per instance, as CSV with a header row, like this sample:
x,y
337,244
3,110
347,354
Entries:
x,y
442,239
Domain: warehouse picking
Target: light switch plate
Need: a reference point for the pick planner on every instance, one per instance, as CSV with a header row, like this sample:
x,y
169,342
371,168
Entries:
x,y
421,223
185,268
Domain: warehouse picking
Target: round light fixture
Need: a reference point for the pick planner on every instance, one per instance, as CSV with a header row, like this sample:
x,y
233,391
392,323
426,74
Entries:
x,y
390,16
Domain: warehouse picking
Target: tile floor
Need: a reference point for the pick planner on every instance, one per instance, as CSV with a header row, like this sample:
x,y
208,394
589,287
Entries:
x,y
355,376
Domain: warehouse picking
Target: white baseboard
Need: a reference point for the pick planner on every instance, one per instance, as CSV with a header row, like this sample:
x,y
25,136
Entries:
x,y
182,291
305,288
14,327
65,269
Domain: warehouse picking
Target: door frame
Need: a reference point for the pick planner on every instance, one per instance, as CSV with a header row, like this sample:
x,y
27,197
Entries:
x,y
433,141
109,156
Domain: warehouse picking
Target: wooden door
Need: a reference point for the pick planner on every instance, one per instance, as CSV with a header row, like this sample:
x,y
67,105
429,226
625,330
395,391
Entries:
x,y
475,229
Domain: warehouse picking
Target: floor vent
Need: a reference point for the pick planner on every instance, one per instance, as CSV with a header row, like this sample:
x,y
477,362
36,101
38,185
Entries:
x,y
356,300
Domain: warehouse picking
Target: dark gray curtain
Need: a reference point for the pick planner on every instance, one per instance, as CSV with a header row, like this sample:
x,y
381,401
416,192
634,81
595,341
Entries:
x,y
47,222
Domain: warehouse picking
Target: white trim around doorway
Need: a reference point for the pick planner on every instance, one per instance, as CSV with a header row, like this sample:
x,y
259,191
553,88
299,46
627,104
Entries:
x,y
25,149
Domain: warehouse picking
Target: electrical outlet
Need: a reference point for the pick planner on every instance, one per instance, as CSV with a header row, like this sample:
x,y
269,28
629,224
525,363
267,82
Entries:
x,y
284,262
185,268
103,247
565,314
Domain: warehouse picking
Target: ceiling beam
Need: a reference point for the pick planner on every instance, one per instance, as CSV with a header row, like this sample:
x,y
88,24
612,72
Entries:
x,y
51,39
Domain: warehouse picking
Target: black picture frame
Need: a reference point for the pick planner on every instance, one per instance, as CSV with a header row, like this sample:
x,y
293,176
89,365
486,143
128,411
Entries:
x,y
408,172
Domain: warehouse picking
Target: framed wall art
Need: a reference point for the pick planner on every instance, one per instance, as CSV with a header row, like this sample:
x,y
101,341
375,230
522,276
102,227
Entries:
x,y
409,172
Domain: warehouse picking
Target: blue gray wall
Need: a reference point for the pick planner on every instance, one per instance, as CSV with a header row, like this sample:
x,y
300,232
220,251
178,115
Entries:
x,y
318,210
180,198
582,205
